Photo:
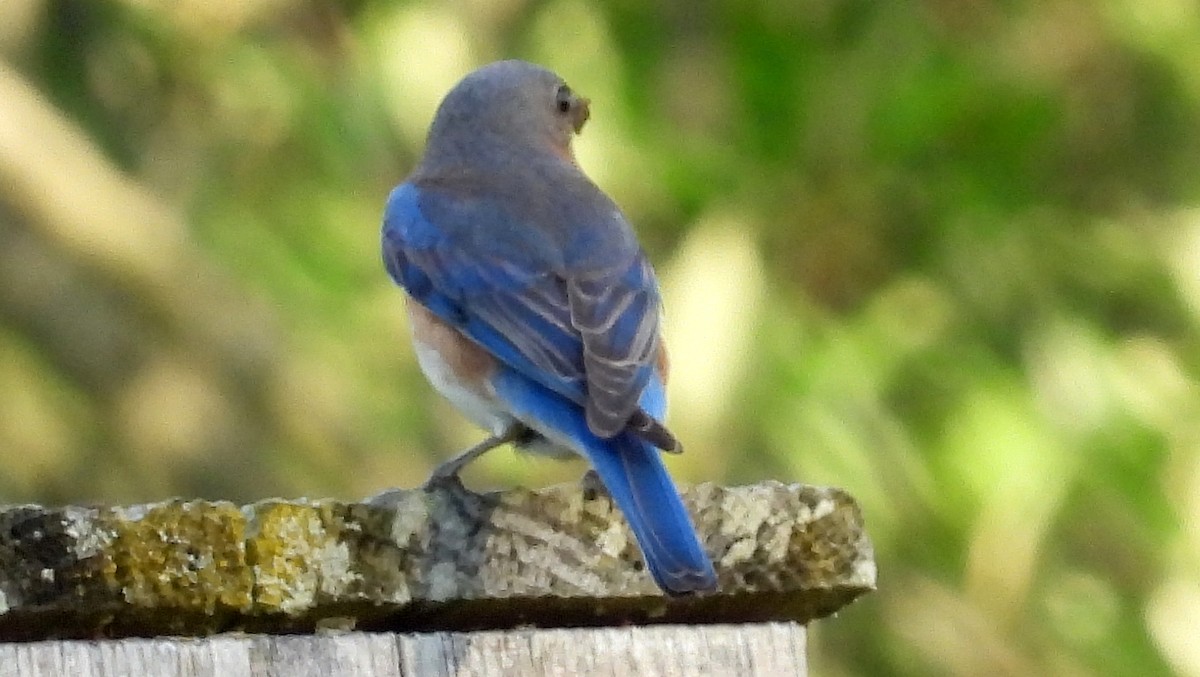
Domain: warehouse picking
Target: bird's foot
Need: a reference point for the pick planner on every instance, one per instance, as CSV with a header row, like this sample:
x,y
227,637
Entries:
x,y
388,498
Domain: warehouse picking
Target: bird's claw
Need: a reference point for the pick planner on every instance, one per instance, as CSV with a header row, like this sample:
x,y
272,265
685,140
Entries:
x,y
592,486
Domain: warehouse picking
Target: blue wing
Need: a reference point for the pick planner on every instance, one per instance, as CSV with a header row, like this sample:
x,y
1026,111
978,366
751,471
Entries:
x,y
589,337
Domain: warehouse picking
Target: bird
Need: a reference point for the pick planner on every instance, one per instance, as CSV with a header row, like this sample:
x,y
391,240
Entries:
x,y
533,308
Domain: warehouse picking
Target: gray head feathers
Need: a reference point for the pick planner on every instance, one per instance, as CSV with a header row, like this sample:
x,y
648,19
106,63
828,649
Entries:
x,y
507,104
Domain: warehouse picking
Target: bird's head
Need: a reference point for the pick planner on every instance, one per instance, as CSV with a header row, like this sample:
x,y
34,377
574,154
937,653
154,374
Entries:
x,y
511,103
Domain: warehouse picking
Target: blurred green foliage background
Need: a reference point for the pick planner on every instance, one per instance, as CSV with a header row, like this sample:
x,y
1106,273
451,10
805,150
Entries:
x,y
945,255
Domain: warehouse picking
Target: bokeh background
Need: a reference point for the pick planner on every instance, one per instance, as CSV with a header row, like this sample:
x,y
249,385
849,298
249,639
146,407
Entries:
x,y
943,254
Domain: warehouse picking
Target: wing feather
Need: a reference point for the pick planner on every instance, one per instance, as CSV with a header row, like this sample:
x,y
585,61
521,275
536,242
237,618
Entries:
x,y
591,336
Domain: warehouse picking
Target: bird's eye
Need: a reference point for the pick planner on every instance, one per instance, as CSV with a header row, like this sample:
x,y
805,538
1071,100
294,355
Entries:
x,y
562,99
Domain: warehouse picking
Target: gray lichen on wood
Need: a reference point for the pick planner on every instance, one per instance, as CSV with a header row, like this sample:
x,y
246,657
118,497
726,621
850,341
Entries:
x,y
436,559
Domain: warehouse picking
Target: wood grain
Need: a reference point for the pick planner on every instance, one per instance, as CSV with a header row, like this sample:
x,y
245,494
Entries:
x,y
752,650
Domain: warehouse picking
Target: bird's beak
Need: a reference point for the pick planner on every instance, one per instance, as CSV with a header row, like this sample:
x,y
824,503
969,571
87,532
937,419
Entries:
x,y
582,112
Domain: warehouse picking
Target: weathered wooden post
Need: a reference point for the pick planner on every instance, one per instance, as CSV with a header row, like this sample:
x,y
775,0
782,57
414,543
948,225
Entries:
x,y
441,582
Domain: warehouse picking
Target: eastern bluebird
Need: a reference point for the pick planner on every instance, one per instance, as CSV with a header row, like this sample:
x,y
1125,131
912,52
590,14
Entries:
x,y
533,308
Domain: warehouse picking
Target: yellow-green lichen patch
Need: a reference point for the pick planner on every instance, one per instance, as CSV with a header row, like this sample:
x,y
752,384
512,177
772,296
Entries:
x,y
388,543
296,556
186,556
828,545
610,533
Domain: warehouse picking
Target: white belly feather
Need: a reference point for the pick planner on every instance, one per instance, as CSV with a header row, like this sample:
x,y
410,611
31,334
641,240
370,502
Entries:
x,y
483,410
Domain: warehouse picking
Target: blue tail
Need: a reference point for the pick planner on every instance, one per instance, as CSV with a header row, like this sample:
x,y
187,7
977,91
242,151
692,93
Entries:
x,y
633,472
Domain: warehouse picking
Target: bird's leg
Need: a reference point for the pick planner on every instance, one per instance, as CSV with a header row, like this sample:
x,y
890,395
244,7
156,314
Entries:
x,y
451,468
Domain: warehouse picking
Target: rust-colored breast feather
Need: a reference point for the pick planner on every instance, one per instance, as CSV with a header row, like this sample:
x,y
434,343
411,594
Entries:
x,y
662,362
468,361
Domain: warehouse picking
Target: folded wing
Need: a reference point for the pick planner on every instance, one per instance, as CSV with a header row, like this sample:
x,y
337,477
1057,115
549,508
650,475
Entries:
x,y
589,335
